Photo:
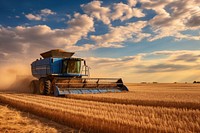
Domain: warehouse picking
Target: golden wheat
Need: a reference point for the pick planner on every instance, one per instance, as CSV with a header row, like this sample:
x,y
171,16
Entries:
x,y
14,121
165,95
106,117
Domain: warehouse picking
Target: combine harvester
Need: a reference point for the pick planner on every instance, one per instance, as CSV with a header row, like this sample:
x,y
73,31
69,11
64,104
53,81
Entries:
x,y
60,74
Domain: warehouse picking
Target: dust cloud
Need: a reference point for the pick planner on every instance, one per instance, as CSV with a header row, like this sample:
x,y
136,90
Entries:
x,y
15,77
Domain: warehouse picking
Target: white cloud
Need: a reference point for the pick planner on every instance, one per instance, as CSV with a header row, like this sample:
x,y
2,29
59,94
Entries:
x,y
84,47
118,35
33,17
24,43
117,11
132,3
125,12
68,16
30,41
79,27
47,12
173,17
171,20
41,16
95,10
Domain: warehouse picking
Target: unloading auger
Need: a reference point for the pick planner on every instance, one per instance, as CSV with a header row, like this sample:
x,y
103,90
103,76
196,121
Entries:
x,y
60,74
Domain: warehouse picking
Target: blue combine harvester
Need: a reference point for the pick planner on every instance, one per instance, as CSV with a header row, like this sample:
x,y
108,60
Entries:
x,y
60,74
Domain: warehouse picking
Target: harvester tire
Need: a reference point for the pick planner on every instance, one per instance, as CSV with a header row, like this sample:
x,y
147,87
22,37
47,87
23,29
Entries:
x,y
47,86
43,86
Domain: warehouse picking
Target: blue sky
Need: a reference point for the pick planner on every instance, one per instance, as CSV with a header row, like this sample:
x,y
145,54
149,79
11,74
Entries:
x,y
129,37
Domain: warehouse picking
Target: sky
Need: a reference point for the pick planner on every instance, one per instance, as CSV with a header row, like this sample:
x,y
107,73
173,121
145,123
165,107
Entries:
x,y
137,40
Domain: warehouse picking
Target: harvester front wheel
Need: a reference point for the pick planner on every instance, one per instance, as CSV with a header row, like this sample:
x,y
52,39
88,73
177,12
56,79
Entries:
x,y
45,86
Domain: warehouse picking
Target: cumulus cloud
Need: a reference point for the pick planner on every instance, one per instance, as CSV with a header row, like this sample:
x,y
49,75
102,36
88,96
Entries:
x,y
47,12
171,20
124,12
97,11
28,41
194,21
116,11
173,17
33,17
79,27
84,47
115,38
132,3
41,16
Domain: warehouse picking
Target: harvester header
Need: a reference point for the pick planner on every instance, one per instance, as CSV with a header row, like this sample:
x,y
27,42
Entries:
x,y
59,73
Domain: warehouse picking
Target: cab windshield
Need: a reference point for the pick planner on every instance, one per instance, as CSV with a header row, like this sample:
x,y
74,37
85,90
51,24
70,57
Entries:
x,y
71,66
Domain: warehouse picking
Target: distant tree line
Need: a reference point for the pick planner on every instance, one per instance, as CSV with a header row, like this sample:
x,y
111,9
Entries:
x,y
196,82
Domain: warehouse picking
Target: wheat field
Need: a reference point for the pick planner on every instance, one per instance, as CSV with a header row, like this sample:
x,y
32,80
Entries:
x,y
15,121
145,108
162,95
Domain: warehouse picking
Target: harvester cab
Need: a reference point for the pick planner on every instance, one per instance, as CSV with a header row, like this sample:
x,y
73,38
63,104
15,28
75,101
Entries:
x,y
60,74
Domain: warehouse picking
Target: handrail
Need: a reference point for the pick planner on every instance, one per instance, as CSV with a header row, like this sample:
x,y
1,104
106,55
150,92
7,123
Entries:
x,y
85,70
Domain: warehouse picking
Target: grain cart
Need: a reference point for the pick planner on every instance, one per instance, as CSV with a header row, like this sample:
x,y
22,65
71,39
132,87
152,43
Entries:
x,y
60,74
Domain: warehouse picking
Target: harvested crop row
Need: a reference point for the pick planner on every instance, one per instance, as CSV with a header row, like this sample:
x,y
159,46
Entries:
x,y
105,117
63,102
143,102
76,119
164,86
14,121
164,95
